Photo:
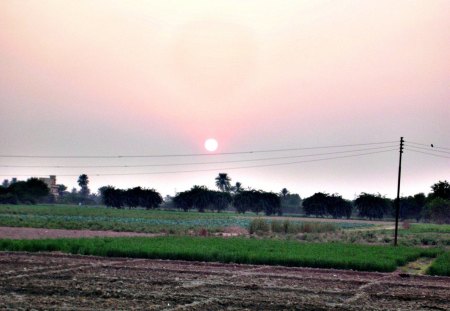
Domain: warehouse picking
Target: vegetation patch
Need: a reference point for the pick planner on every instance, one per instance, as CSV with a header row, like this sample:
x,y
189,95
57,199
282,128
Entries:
x,y
441,266
422,228
236,250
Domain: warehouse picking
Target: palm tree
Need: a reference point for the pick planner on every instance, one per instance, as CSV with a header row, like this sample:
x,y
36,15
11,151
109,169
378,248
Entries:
x,y
284,192
223,182
83,181
237,188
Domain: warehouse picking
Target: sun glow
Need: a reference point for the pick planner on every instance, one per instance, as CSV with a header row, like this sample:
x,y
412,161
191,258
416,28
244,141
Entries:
x,y
211,144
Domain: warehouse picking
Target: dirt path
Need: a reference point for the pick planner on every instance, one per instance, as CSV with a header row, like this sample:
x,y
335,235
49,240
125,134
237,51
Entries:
x,y
42,281
42,233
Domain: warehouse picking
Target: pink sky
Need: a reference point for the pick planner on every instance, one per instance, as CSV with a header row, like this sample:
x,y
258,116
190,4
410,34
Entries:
x,y
159,77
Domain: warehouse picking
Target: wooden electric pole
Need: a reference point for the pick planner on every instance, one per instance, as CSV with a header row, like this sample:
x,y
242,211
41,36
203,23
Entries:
x,y
397,202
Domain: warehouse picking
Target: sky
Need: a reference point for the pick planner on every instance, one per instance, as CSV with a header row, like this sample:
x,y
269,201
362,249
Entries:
x,y
120,78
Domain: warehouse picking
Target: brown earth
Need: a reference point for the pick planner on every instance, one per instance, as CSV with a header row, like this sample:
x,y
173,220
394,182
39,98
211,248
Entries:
x,y
42,233
42,281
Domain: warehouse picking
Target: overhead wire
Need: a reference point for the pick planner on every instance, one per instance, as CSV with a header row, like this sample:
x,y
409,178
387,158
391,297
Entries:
x,y
430,149
188,154
427,145
428,153
227,168
198,163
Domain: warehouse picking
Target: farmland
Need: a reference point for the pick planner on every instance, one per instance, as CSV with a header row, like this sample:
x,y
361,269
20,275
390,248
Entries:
x,y
165,271
46,281
234,250
150,221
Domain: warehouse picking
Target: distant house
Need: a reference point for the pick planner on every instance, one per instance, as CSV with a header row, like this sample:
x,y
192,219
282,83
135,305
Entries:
x,y
51,183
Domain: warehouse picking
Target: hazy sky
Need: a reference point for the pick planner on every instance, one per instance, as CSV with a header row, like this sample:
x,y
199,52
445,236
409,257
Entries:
x,y
159,77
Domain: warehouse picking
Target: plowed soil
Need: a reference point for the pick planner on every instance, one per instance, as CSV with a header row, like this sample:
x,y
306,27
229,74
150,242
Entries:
x,y
58,281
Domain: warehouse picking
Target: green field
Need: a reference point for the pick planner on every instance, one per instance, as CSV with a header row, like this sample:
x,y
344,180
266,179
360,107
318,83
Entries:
x,y
340,249
441,266
101,218
235,250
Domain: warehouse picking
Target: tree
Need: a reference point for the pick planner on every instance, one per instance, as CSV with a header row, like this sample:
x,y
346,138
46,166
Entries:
x,y
257,201
183,200
221,200
438,210
316,204
242,201
150,198
198,197
132,197
291,203
412,206
223,182
337,207
271,203
284,192
5,183
112,197
83,182
440,189
30,191
371,205
236,188
61,189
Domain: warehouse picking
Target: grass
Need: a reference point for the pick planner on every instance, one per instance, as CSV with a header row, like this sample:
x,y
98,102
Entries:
x,y
235,250
441,266
426,228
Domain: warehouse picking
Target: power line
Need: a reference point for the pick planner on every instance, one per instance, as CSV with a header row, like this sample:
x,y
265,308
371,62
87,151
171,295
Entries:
x,y
226,168
432,154
427,145
189,154
196,163
431,149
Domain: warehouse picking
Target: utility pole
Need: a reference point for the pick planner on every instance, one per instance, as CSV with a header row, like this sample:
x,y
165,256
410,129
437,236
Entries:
x,y
397,202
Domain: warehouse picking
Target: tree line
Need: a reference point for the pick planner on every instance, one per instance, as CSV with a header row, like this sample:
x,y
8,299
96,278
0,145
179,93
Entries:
x,y
433,207
131,198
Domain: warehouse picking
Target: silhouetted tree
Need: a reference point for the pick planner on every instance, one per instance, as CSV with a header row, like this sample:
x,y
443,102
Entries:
x,y
284,192
242,201
440,189
337,207
112,197
220,200
437,210
183,200
133,197
236,188
223,182
271,203
371,205
257,201
5,183
316,204
412,206
150,198
31,191
83,182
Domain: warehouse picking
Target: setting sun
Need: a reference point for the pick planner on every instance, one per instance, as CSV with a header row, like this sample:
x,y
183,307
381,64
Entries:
x,y
211,144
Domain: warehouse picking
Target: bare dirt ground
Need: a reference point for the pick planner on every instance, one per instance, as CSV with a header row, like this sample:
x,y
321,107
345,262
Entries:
x,y
42,233
41,281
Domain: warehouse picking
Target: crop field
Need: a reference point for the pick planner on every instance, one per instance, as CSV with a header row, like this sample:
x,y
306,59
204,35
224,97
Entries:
x,y
234,250
42,281
151,221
